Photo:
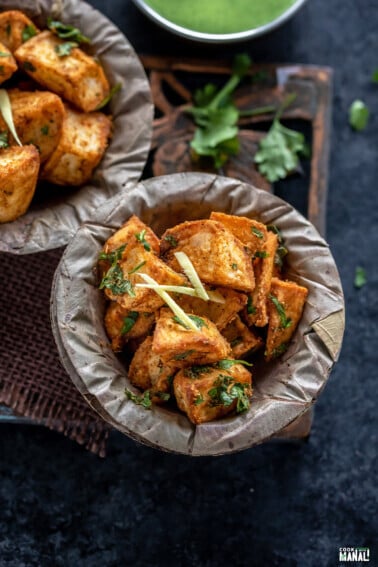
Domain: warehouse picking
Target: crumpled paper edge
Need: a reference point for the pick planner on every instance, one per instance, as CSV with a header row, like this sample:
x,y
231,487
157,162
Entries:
x,y
283,390
51,224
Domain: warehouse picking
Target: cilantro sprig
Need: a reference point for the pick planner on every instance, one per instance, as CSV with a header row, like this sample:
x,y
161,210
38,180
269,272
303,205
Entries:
x,y
278,153
285,321
114,278
216,117
64,49
225,391
142,400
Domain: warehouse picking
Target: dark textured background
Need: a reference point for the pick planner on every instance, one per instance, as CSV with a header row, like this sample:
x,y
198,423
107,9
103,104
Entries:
x,y
278,504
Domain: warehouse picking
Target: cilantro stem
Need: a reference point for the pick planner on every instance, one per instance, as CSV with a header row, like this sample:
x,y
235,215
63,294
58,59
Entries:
x,y
257,111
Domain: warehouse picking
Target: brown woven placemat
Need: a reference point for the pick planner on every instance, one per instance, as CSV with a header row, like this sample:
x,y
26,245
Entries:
x,y
33,382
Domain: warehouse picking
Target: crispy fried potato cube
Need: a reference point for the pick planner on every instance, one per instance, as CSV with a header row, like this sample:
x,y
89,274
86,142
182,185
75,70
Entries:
x,y
19,168
285,307
77,77
8,63
137,260
15,29
217,255
256,311
242,340
249,231
147,371
81,146
123,325
38,119
221,314
129,232
175,343
208,393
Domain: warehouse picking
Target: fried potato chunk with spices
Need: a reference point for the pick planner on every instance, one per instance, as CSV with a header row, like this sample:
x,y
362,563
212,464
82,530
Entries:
x,y
148,372
119,281
285,307
19,167
249,231
133,230
81,146
174,342
242,340
123,325
256,311
217,255
38,118
75,76
206,393
8,64
15,29
219,313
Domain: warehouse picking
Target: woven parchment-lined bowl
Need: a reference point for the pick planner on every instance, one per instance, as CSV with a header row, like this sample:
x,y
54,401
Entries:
x,y
283,390
54,217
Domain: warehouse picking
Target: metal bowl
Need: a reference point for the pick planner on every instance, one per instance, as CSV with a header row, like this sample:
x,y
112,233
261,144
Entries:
x,y
215,37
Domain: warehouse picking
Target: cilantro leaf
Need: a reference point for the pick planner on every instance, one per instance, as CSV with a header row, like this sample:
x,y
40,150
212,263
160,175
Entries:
x,y
143,400
199,322
285,321
225,391
360,277
66,31
129,322
226,363
114,278
64,49
28,32
358,115
4,140
108,98
140,236
251,309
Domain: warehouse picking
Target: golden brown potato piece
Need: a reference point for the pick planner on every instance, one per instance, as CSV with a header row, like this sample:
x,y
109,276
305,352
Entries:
x,y
242,340
217,255
209,393
19,168
15,29
256,312
249,231
8,63
128,233
147,371
38,119
219,313
285,307
136,260
81,146
77,77
175,343
123,325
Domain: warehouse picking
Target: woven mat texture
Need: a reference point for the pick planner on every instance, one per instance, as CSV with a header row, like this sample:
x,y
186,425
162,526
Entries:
x,y
33,383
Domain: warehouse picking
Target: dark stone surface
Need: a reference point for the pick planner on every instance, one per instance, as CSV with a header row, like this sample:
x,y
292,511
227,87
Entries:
x,y
278,504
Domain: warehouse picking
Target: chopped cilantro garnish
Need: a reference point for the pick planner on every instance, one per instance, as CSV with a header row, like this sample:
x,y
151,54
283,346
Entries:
x,y
257,232
4,140
114,255
114,278
234,266
261,254
164,396
4,54
195,371
285,321
279,350
358,115
360,277
28,32
66,31
108,98
138,267
183,355
143,400
197,320
129,322
171,240
64,49
140,236
226,391
226,363
45,130
236,341
198,400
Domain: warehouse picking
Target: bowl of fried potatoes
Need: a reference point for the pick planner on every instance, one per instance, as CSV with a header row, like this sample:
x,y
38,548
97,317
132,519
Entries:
x,y
200,316
75,119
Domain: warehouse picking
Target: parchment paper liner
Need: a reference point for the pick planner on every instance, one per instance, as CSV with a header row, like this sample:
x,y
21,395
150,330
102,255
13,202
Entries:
x,y
283,390
51,223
